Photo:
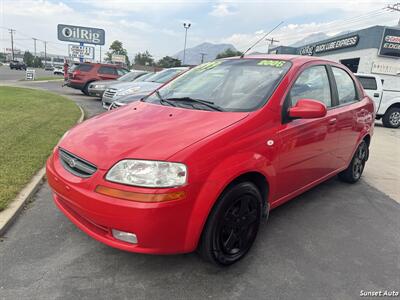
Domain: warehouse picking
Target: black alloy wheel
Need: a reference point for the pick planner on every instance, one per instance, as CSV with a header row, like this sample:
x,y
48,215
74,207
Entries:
x,y
232,225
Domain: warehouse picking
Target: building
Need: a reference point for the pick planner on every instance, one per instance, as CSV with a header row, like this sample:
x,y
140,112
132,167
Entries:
x,y
371,50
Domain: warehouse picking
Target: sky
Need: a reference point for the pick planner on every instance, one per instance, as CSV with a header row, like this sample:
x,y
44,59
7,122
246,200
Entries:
x,y
157,26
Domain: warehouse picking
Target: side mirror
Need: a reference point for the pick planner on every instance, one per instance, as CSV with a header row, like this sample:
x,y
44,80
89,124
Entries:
x,y
307,109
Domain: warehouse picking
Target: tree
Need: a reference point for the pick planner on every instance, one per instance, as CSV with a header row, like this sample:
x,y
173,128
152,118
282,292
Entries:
x,y
168,62
2,57
144,59
229,53
37,62
117,47
28,59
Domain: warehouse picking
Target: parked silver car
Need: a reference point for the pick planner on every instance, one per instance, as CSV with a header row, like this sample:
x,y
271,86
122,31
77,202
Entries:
x,y
97,88
138,90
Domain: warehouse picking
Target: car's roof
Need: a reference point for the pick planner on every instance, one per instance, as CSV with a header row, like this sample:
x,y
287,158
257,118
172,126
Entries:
x,y
366,75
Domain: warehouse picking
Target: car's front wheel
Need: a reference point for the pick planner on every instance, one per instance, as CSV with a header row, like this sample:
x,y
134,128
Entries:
x,y
354,171
232,225
391,118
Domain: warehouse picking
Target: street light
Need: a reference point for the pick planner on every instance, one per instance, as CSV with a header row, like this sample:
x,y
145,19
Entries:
x,y
186,26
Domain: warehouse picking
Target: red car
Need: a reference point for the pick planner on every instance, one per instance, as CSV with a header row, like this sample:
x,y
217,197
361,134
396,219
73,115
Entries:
x,y
81,75
198,164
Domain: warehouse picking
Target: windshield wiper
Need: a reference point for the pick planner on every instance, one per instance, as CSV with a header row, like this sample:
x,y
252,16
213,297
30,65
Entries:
x,y
162,100
203,102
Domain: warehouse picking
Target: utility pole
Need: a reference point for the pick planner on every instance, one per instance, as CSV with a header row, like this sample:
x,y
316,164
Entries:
x,y
394,7
202,56
271,42
186,26
34,45
11,31
45,53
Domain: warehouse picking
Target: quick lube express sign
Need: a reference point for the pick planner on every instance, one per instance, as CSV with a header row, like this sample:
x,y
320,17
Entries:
x,y
332,45
79,34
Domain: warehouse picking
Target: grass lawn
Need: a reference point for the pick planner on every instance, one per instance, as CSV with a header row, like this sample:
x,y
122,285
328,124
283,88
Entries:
x,y
31,123
43,78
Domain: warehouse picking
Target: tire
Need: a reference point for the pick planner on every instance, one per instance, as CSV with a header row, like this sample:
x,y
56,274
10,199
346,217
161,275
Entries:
x,y
391,118
85,89
232,225
354,171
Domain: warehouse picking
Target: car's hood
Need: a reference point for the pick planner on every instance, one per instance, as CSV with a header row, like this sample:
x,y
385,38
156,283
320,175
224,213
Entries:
x,y
138,86
144,131
105,82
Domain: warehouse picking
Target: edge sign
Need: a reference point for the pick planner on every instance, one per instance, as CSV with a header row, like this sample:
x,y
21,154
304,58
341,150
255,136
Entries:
x,y
78,34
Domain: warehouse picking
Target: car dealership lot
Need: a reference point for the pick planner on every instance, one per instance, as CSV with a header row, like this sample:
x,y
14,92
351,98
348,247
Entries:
x,y
331,242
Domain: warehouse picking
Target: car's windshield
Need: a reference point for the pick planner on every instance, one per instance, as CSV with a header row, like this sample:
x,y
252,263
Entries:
x,y
143,77
130,76
229,85
164,76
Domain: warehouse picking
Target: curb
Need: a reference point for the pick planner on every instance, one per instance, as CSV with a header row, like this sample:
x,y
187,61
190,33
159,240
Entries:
x,y
8,216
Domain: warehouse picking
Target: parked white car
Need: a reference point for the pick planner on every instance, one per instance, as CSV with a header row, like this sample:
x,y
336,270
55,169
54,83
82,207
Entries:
x,y
387,101
58,71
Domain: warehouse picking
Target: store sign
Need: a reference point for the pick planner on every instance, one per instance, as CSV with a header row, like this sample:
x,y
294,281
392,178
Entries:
x,y
78,34
118,58
390,45
351,41
76,51
392,68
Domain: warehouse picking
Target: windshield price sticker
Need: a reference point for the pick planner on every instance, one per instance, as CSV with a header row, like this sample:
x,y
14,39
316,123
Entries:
x,y
208,66
272,63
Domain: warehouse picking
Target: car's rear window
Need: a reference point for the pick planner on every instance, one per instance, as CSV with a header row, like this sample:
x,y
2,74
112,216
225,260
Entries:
x,y
84,67
368,83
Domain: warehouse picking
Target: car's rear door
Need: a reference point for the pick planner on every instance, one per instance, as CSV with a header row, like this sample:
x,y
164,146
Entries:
x,y
352,111
306,153
107,73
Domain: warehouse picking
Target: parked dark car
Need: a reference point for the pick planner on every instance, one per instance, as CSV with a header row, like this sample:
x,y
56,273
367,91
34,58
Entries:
x,y
80,76
17,65
97,88
48,68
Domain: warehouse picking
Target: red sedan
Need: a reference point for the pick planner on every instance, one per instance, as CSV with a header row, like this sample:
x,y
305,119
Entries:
x,y
198,164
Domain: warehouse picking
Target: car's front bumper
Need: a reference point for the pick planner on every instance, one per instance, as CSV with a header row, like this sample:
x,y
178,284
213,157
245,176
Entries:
x,y
96,92
160,227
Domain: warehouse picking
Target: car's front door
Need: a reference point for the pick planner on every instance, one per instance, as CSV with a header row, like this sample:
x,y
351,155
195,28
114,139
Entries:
x,y
306,153
107,72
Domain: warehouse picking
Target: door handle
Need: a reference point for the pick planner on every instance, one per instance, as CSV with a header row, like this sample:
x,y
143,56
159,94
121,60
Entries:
x,y
376,94
332,121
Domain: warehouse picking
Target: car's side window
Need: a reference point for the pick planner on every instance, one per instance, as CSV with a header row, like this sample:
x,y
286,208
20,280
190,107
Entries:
x,y
313,83
345,86
107,70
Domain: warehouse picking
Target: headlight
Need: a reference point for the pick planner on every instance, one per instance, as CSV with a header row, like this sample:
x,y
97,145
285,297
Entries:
x,y
129,91
148,173
99,86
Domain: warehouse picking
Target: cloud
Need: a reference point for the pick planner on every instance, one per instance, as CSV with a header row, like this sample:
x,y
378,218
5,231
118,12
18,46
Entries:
x,y
222,10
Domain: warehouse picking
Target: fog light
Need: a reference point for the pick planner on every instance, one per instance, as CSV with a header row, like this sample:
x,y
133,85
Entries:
x,y
124,236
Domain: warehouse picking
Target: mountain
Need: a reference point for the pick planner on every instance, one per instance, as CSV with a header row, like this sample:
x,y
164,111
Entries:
x,y
312,38
193,55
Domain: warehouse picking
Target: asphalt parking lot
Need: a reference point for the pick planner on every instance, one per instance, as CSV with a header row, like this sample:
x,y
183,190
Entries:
x,y
10,75
329,243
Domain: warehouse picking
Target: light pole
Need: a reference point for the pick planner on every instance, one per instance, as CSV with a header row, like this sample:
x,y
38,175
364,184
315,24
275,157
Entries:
x,y
186,26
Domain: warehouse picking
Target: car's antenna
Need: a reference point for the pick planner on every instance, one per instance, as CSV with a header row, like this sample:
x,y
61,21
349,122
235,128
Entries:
x,y
241,56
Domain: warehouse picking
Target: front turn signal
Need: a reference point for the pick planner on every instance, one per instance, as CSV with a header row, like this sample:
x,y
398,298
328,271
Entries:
x,y
139,197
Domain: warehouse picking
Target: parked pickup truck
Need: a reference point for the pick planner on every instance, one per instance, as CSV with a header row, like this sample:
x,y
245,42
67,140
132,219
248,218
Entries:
x,y
387,101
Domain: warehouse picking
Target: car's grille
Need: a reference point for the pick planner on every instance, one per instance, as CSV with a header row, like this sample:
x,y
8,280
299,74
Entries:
x,y
109,93
75,165
113,105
